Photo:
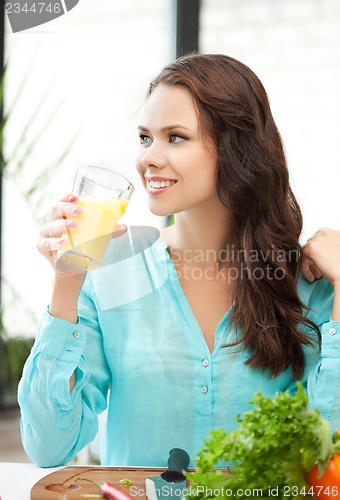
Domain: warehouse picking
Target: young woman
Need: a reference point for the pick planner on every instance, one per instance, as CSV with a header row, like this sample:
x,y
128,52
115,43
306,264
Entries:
x,y
175,342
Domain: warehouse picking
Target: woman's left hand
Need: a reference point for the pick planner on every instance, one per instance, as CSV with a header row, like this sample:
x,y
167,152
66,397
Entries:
x,y
321,256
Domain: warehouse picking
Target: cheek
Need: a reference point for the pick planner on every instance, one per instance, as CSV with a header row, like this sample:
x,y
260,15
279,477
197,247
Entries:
x,y
206,167
206,178
139,167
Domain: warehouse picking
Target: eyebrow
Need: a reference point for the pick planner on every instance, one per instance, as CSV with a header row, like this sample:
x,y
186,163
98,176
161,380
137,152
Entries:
x,y
164,129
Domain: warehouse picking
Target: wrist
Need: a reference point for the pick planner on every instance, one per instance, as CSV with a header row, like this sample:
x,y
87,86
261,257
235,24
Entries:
x,y
73,281
65,294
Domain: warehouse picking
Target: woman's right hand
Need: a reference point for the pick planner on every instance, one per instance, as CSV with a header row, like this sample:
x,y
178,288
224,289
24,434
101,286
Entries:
x,y
52,234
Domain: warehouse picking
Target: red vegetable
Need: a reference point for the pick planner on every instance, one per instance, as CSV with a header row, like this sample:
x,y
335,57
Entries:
x,y
114,492
327,486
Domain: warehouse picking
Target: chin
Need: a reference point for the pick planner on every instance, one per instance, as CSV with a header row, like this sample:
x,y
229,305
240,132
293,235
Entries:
x,y
159,212
164,209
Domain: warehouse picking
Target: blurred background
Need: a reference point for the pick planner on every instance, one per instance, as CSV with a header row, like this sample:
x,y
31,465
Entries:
x,y
73,93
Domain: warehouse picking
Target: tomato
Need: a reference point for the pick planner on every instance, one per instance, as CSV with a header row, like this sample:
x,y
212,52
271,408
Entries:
x,y
327,486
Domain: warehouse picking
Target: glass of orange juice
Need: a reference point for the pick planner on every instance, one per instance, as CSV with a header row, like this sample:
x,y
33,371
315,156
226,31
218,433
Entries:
x,y
104,196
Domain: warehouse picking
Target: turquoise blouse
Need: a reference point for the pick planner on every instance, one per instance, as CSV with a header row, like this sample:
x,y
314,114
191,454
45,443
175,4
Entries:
x,y
138,350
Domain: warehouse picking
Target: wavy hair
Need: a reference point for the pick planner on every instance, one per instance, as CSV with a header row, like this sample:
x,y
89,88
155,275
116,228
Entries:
x,y
252,182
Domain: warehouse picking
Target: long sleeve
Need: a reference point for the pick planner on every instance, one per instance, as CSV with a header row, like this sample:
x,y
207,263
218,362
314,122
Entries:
x,y
166,387
56,424
324,379
323,368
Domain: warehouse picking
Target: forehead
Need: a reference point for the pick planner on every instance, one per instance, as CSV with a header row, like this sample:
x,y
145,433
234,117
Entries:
x,y
170,104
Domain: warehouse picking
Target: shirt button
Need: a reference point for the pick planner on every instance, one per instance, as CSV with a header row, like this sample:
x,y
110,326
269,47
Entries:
x,y
76,335
332,331
204,389
205,362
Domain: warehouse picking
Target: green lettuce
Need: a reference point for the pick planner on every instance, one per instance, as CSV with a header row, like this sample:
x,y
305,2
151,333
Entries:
x,y
270,453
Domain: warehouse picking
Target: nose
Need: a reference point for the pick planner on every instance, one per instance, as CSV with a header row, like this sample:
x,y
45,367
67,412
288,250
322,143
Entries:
x,y
153,156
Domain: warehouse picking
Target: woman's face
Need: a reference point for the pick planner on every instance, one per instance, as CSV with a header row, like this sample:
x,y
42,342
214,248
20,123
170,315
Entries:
x,y
176,164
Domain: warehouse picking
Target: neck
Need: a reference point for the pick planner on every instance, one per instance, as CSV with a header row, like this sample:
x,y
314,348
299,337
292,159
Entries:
x,y
203,232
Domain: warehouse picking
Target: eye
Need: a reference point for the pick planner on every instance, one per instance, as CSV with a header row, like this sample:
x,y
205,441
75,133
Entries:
x,y
144,139
175,138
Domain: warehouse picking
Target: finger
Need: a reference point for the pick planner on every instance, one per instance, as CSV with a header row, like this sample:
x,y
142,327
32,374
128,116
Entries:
x,y
69,198
64,209
55,228
47,246
308,248
306,270
66,198
315,271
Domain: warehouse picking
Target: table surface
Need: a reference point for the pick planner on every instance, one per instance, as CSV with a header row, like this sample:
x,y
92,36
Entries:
x,y
17,480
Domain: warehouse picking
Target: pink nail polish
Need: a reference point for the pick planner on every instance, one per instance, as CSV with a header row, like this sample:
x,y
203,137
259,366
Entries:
x,y
73,199
72,225
77,210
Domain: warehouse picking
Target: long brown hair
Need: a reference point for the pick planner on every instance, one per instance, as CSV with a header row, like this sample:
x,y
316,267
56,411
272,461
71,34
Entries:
x,y
253,182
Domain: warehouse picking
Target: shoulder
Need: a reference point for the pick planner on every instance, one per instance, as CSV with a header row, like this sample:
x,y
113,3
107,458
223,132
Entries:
x,y
318,296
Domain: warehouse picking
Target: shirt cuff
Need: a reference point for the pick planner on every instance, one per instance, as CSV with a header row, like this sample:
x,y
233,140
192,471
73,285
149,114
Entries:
x,y
60,339
330,333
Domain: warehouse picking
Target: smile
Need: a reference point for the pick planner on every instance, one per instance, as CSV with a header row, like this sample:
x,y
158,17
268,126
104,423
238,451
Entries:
x,y
159,184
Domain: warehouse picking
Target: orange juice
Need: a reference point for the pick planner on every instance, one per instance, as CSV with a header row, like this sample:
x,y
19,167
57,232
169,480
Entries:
x,y
86,245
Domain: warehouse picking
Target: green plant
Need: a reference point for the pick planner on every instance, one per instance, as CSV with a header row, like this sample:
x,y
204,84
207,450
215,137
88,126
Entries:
x,y
14,163
271,452
16,351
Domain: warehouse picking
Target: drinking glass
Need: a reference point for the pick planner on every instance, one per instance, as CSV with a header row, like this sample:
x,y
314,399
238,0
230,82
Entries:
x,y
104,196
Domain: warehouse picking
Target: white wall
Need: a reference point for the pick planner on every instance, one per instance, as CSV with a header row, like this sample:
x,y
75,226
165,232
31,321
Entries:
x,y
99,59
293,46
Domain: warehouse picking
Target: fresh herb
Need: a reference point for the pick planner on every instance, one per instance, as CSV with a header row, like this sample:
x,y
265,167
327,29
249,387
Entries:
x,y
89,495
125,481
271,452
107,490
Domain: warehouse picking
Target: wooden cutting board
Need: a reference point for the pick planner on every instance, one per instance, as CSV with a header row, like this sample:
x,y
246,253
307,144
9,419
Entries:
x,y
73,482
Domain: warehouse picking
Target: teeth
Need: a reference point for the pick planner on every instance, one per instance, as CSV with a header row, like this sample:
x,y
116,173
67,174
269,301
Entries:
x,y
160,184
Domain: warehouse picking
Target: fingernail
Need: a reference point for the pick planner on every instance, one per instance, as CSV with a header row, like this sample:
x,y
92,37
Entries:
x,y
61,241
72,225
77,210
73,199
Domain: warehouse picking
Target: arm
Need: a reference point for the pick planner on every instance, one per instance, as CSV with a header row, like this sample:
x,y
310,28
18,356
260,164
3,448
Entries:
x,y
323,250
64,303
55,423
67,281
322,253
62,390
323,383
